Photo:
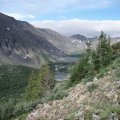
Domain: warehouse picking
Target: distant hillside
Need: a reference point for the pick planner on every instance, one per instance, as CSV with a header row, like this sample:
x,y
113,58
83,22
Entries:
x,y
61,42
23,44
79,37
13,80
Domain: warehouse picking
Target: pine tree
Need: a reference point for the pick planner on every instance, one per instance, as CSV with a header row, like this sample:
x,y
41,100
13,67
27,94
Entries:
x,y
40,83
85,67
104,50
46,76
96,61
93,61
34,88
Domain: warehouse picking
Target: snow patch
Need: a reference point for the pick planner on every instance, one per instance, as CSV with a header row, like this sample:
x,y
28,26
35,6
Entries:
x,y
8,28
28,56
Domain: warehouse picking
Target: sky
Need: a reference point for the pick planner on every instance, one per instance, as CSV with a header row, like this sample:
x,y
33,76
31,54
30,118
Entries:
x,y
68,17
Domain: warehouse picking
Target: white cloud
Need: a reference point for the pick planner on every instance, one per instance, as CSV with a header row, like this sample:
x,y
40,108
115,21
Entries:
x,y
16,15
31,16
85,27
48,6
19,16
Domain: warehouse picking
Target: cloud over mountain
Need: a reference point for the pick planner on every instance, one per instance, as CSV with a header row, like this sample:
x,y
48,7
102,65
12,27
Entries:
x,y
86,27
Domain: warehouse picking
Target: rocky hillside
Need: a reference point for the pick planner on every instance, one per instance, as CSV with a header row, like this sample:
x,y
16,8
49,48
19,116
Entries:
x,y
97,100
21,43
61,42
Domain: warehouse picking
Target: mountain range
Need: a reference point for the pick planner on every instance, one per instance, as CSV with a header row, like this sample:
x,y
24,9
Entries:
x,y
23,44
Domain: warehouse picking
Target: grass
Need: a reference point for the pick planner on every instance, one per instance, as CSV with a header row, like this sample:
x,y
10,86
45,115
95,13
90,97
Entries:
x,y
106,113
59,92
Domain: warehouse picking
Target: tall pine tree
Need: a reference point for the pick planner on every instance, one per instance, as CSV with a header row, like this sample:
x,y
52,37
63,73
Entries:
x,y
104,52
40,83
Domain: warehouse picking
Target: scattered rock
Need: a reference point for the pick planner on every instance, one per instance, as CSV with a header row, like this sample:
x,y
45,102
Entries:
x,y
79,100
96,116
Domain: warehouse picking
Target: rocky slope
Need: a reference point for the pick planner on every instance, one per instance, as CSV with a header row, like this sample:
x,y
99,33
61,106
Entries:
x,y
84,102
61,42
23,44
20,43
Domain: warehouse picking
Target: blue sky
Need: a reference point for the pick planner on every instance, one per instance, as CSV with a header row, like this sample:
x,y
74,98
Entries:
x,y
56,14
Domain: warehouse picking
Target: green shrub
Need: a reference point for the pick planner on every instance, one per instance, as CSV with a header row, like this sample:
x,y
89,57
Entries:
x,y
88,115
11,110
106,113
116,76
87,79
7,110
22,117
56,96
101,73
117,72
58,92
24,107
92,87
115,64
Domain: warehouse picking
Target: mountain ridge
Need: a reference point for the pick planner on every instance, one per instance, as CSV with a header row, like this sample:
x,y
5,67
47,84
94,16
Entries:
x,y
21,43
79,37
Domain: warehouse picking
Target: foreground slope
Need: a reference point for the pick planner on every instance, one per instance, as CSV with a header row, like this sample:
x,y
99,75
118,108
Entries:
x,y
94,100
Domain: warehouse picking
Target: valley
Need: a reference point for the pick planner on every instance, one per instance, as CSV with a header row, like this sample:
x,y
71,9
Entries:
x,y
49,76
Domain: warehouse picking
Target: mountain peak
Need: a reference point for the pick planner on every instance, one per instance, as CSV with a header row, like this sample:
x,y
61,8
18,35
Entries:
x,y
79,37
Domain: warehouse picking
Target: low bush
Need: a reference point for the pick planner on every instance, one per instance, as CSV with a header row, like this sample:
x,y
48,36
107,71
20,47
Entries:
x,y
6,110
101,72
58,92
58,95
107,112
87,79
11,109
114,65
24,107
92,87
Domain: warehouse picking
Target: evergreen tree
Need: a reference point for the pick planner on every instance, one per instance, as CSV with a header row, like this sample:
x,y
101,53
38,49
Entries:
x,y
34,88
104,51
46,76
93,61
79,71
90,62
40,83
96,61
116,50
85,67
